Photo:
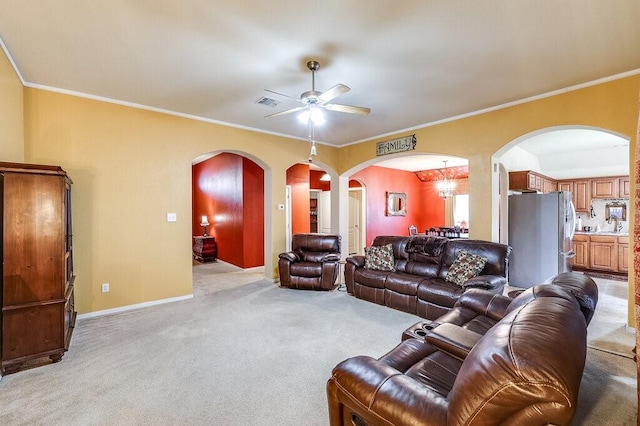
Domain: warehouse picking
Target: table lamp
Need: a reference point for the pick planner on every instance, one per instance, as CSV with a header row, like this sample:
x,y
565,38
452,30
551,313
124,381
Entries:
x,y
204,222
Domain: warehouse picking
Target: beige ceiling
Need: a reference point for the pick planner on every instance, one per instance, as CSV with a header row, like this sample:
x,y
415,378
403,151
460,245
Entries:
x,y
411,62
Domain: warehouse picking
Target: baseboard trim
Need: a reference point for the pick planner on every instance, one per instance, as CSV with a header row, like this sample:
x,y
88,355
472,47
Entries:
x,y
132,307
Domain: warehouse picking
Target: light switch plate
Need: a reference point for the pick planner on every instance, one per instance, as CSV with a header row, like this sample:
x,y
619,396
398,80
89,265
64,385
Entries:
x,y
172,217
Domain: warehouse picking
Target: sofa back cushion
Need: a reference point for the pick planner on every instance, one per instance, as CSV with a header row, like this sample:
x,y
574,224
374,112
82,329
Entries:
x,y
398,243
537,292
313,247
497,256
583,288
424,253
514,374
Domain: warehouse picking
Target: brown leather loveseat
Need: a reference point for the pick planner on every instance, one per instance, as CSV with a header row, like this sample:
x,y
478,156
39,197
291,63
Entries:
x,y
417,283
508,371
312,263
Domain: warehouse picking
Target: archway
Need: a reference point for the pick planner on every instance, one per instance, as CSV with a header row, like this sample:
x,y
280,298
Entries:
x,y
598,153
399,173
232,189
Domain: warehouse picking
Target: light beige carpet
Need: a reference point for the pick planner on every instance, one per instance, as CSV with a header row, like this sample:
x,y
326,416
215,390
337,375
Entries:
x,y
241,352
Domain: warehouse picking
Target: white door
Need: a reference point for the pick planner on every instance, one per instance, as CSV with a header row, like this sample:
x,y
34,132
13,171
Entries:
x,y
324,212
355,222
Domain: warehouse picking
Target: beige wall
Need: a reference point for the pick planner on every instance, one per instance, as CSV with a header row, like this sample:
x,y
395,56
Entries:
x,y
612,106
11,119
130,168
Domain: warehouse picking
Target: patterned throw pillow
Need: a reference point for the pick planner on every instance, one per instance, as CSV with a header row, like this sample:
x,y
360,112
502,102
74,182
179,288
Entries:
x,y
379,258
467,265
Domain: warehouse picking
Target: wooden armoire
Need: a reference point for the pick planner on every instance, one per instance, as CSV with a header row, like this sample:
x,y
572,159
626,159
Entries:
x,y
38,312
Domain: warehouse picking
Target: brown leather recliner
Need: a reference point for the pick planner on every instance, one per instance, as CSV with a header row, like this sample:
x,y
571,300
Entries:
x,y
512,374
312,263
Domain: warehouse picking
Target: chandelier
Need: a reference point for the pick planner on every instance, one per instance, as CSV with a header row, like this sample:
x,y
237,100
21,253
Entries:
x,y
445,186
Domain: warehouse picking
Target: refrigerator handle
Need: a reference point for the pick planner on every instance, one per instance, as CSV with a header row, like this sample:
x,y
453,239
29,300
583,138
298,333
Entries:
x,y
572,219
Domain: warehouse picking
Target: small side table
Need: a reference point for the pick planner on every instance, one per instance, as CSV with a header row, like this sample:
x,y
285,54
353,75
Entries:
x,y
205,249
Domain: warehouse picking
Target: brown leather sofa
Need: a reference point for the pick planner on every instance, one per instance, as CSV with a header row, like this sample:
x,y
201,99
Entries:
x,y
312,263
508,372
418,284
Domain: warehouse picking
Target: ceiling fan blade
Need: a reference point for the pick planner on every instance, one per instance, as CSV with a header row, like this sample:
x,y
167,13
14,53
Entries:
x,y
287,111
333,93
282,94
348,109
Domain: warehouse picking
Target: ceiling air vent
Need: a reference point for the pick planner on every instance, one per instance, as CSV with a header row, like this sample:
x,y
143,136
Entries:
x,y
267,102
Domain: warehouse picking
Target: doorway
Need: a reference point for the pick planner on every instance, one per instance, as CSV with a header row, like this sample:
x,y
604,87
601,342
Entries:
x,y
357,221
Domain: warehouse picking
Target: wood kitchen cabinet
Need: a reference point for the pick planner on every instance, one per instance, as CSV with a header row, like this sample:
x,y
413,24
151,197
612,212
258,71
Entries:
x,y
565,185
581,191
581,248
581,196
38,312
624,187
605,187
623,254
603,250
549,185
529,181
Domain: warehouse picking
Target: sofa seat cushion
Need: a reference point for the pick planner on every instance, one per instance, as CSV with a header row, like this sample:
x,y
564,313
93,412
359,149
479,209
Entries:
x,y
306,269
425,364
369,278
403,283
439,292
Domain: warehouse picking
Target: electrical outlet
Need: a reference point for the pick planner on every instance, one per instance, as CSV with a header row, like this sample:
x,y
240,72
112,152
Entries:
x,y
172,217
105,288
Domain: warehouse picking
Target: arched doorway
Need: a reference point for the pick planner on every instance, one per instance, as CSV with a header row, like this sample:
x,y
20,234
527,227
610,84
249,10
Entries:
x,y
588,156
416,175
229,190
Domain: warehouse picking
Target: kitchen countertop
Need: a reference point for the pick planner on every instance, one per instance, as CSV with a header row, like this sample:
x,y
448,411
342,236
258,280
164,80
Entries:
x,y
611,233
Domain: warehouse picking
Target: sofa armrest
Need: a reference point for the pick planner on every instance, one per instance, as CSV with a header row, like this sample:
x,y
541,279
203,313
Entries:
x,y
357,261
486,281
485,303
290,256
453,340
330,257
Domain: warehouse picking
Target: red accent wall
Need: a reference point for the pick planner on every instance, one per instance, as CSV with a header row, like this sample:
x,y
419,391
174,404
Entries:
x,y
229,189
424,208
316,183
253,208
298,178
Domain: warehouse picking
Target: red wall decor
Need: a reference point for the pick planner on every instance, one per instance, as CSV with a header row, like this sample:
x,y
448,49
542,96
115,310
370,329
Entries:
x,y
424,208
229,190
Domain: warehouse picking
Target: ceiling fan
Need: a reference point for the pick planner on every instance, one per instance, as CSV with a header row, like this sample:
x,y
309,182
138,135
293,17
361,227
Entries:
x,y
313,99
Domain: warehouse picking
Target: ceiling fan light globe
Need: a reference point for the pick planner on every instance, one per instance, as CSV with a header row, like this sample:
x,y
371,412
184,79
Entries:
x,y
315,114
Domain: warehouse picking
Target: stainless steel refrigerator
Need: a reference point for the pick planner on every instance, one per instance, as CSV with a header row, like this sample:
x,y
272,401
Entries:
x,y
541,227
